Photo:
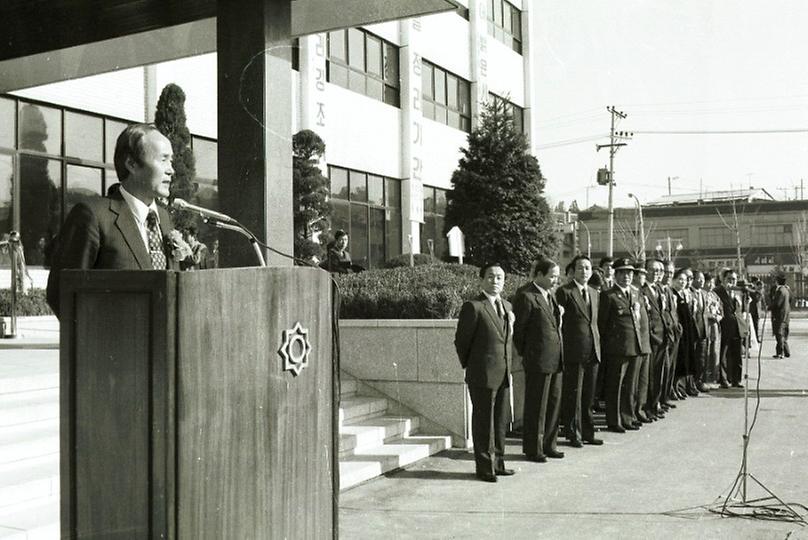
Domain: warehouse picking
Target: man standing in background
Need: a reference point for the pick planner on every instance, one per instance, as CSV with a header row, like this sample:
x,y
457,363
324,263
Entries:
x,y
781,313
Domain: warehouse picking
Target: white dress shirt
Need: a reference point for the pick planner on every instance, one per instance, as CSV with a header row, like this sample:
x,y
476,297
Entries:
x,y
140,212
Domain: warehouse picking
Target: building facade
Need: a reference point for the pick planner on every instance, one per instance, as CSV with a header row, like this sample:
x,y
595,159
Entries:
x,y
393,102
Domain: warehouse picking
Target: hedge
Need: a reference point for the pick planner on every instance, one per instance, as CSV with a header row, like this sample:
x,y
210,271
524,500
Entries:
x,y
434,291
32,303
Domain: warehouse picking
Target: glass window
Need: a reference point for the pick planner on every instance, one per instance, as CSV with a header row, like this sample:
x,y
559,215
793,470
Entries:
x,y
450,103
451,91
207,158
356,82
375,190
6,205
339,183
505,24
440,201
391,64
84,137
359,188
356,48
393,233
440,86
111,132
338,74
358,246
429,200
340,218
376,239
375,89
82,183
374,56
393,193
336,45
40,212
40,129
427,76
8,115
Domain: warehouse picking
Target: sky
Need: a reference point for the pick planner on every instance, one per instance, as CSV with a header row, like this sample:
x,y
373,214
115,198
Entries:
x,y
684,65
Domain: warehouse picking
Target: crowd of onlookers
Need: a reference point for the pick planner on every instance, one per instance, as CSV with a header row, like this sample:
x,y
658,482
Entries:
x,y
629,339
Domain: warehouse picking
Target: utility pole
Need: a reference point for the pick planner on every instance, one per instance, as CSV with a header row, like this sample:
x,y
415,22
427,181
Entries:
x,y
669,183
613,145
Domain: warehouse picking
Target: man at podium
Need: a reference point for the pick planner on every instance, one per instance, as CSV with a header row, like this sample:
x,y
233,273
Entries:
x,y
125,230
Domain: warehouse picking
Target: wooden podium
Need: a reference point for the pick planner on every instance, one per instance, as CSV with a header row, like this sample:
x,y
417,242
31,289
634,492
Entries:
x,y
198,404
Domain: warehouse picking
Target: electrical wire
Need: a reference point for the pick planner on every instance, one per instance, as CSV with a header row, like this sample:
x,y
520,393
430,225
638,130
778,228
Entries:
x,y
568,142
720,132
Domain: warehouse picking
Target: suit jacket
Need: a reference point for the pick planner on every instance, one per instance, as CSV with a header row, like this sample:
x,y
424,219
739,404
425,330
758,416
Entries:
x,y
671,301
645,323
483,342
781,304
619,322
580,334
656,323
699,312
101,234
537,331
733,325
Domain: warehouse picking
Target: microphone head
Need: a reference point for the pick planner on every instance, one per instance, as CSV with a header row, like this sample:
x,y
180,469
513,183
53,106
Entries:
x,y
179,203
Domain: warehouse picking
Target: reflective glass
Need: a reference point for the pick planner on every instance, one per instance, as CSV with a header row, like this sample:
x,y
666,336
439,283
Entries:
x,y
113,129
441,242
375,89
356,81
356,48
6,206
429,200
338,75
376,233
358,242
451,91
339,183
336,45
8,121
40,129
440,86
207,158
82,183
359,188
392,193
84,136
440,201
374,56
393,233
375,190
391,74
340,218
426,80
40,205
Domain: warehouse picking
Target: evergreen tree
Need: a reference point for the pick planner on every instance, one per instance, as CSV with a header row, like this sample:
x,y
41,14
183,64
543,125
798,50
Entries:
x,y
170,120
497,198
309,193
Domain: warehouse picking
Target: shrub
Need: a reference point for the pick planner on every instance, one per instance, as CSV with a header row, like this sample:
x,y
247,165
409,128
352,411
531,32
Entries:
x,y
404,260
33,303
421,292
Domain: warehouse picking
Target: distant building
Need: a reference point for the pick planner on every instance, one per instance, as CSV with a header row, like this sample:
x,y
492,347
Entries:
x,y
691,229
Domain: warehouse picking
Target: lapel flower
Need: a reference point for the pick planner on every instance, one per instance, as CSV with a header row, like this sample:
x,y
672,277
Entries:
x,y
177,248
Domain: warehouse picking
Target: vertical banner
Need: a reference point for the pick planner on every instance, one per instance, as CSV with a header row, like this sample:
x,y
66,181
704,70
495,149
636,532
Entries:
x,y
312,83
412,136
478,17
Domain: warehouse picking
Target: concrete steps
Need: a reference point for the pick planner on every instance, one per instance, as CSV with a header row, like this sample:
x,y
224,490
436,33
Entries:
x,y
373,442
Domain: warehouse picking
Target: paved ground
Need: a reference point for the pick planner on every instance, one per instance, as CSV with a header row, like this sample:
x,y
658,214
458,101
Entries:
x,y
655,483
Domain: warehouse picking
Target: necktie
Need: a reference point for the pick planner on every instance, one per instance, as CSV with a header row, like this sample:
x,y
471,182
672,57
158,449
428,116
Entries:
x,y
498,305
158,258
585,295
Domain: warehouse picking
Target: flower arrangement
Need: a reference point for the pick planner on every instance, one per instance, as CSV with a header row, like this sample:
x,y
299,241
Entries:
x,y
175,246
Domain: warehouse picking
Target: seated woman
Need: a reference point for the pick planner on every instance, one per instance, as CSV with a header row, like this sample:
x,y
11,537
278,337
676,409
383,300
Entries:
x,y
338,259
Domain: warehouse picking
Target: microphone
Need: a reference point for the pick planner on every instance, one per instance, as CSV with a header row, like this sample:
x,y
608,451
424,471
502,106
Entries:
x,y
182,204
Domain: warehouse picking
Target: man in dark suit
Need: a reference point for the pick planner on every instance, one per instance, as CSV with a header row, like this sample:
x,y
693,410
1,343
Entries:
x,y
483,342
619,324
781,313
701,324
581,340
652,290
537,338
637,373
126,230
732,331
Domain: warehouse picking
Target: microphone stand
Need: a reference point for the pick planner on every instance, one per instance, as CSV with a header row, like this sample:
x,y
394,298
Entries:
x,y
239,228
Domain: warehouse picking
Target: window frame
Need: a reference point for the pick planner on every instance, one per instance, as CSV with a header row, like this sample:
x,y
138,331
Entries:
x,y
386,83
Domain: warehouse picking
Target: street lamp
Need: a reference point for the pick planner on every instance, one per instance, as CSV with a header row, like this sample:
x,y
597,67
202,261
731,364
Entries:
x,y
588,239
670,253
642,226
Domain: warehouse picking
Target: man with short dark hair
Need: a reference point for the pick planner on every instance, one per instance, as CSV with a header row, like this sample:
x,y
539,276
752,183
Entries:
x,y
781,313
606,269
126,230
537,338
657,334
483,344
701,336
581,341
732,331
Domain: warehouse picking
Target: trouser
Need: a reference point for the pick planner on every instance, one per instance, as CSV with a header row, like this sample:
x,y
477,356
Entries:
x,y
731,363
712,358
490,415
578,393
630,390
613,385
781,337
656,370
541,410
699,360
643,385
670,380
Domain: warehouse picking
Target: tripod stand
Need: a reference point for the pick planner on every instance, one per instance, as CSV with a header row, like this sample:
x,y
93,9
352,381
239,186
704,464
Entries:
x,y
737,503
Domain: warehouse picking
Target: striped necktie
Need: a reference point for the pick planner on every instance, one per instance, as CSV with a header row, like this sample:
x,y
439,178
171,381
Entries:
x,y
158,258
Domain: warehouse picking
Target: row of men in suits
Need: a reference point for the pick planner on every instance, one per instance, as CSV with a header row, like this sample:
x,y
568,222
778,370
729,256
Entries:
x,y
647,331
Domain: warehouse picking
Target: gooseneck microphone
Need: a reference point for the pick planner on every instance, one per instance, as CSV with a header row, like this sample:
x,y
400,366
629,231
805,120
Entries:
x,y
182,204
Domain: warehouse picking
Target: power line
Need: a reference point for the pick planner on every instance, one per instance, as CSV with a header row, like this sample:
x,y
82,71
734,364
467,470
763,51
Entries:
x,y
567,142
721,131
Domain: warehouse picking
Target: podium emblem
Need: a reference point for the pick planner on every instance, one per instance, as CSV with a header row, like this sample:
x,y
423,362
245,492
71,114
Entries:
x,y
295,349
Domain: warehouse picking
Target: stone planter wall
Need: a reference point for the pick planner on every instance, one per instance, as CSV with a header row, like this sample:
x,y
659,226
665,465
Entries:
x,y
414,363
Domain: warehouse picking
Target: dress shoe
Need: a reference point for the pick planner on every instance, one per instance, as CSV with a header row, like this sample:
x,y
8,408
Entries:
x,y
487,477
536,458
788,355
575,443
555,454
637,424
692,392
670,405
703,388
777,356
631,427
642,417
505,472
723,385
647,419
737,385
593,441
616,429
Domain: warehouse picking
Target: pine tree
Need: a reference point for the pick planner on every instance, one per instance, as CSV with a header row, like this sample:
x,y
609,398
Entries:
x,y
497,198
309,192
170,120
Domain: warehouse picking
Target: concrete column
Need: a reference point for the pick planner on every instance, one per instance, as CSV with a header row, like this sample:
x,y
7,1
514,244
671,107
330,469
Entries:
x,y
478,23
150,93
530,62
253,41
412,136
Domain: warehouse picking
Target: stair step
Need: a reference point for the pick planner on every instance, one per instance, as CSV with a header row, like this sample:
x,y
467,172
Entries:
x,y
372,462
29,440
348,387
29,479
357,408
31,520
374,432
29,406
